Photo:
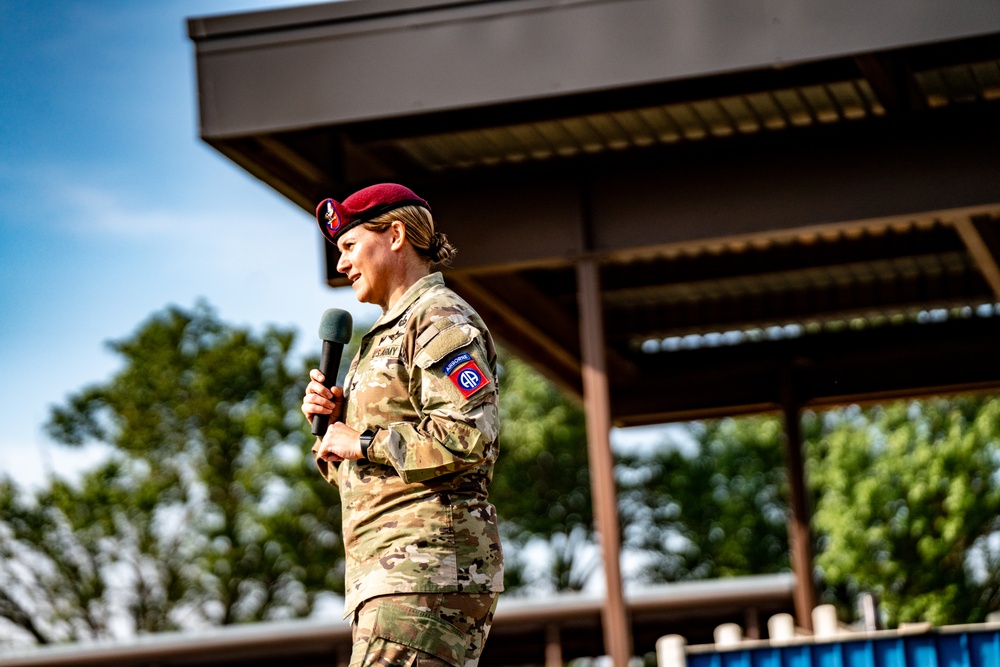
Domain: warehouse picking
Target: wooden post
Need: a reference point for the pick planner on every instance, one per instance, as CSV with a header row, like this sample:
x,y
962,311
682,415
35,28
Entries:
x,y
553,646
597,404
799,536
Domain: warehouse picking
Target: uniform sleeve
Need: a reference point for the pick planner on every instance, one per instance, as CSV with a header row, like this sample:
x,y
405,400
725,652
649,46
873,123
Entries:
x,y
328,470
453,386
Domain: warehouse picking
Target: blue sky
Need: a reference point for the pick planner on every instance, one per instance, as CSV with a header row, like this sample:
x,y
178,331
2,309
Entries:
x,y
111,208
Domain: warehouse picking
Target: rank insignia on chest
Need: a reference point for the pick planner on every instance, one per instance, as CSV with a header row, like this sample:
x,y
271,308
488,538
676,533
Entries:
x,y
467,377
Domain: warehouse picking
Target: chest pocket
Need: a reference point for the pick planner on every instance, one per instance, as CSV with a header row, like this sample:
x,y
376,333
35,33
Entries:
x,y
375,389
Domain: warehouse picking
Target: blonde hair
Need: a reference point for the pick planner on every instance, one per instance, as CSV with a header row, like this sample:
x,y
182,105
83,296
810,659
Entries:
x,y
434,247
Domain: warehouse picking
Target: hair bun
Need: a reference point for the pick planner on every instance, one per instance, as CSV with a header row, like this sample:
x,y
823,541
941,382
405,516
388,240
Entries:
x,y
441,250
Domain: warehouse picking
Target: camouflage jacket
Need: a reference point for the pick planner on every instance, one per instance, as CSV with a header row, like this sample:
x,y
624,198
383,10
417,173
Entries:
x,y
416,518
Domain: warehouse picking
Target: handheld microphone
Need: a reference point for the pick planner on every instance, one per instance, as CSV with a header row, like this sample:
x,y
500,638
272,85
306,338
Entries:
x,y
335,330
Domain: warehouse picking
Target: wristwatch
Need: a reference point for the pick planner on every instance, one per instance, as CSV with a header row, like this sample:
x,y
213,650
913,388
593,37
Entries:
x,y
366,441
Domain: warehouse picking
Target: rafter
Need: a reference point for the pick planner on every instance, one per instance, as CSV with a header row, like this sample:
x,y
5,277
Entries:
x,y
983,242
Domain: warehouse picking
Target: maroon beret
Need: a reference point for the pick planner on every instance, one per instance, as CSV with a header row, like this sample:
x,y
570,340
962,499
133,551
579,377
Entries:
x,y
367,204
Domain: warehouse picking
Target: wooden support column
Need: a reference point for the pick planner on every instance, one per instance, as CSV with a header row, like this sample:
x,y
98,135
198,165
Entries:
x,y
553,646
597,404
751,623
799,536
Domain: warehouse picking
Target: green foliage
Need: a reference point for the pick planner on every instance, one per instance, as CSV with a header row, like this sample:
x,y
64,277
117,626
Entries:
x,y
543,449
208,510
541,484
721,512
908,496
67,545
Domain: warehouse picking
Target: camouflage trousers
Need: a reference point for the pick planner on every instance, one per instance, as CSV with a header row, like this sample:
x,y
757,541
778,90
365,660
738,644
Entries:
x,y
422,630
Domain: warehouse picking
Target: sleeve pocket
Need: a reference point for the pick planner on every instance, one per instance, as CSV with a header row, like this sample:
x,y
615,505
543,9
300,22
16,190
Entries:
x,y
444,341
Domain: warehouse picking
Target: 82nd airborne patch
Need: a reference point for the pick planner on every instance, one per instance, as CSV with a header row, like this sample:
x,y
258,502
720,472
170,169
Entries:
x,y
463,372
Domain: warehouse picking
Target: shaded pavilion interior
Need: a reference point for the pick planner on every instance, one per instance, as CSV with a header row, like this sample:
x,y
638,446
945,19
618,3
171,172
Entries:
x,y
674,210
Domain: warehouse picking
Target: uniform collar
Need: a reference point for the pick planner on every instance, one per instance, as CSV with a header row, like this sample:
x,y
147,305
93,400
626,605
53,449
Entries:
x,y
409,296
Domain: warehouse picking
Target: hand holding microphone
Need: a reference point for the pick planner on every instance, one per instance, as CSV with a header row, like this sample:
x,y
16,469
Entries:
x,y
335,330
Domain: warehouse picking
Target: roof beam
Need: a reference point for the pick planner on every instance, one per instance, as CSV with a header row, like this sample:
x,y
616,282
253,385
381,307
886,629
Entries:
x,y
381,59
981,238
888,362
560,362
892,82
746,187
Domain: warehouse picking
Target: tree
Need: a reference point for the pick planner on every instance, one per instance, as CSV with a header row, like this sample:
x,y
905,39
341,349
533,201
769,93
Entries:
x,y
541,484
718,512
208,511
67,552
908,501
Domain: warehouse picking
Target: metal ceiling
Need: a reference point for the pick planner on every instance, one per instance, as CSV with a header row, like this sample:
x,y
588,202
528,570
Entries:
x,y
765,203
801,106
771,110
681,209
643,127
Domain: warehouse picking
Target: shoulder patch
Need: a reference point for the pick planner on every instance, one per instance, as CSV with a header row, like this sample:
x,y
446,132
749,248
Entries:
x,y
455,361
466,375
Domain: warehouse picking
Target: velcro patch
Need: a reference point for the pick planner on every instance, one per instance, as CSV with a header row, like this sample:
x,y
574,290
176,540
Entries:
x,y
468,378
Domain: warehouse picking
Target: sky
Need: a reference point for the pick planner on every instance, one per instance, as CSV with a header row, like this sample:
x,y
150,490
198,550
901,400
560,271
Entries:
x,y
112,209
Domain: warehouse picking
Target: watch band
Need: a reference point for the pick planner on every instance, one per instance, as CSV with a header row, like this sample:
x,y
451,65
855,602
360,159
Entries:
x,y
366,441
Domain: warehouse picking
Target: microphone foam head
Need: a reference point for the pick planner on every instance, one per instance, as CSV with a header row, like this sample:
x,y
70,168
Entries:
x,y
336,326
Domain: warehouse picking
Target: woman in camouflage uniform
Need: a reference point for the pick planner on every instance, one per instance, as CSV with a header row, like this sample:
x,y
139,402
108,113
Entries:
x,y
412,442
